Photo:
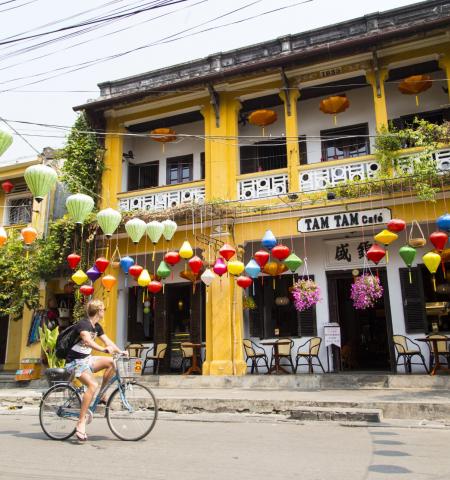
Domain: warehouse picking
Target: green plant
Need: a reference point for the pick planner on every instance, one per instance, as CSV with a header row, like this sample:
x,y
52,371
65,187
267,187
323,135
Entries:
x,y
48,338
249,303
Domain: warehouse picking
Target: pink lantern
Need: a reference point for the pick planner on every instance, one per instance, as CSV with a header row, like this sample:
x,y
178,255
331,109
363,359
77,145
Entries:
x,y
220,267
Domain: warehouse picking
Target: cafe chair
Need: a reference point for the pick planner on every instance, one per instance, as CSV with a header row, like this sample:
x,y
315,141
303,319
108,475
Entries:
x,y
254,353
284,351
442,347
406,349
135,349
156,356
186,355
309,351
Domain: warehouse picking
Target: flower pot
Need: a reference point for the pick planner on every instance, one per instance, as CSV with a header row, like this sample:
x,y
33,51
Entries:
x,y
56,375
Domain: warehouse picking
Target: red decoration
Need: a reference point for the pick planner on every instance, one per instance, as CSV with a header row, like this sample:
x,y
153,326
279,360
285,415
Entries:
x,y
101,264
135,271
73,260
87,290
396,225
154,286
261,258
244,281
172,258
439,240
375,253
280,252
7,186
227,251
195,264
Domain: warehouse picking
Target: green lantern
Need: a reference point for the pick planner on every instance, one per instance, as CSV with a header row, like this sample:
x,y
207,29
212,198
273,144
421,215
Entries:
x,y
79,206
135,229
109,219
408,255
154,231
170,227
163,270
40,179
5,141
293,262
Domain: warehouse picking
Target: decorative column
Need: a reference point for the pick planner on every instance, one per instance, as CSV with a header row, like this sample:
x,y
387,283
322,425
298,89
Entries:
x,y
376,78
444,64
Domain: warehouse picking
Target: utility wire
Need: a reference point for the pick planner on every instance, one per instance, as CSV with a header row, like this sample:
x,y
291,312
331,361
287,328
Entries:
x,y
17,6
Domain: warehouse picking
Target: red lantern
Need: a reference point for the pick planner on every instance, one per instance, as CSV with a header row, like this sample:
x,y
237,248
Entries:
x,y
375,253
135,271
195,264
280,252
73,260
101,264
396,225
261,258
244,281
439,240
227,251
87,290
154,287
7,186
172,258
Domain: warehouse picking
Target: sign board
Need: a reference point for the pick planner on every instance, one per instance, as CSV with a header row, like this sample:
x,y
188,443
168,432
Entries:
x,y
334,221
348,253
332,334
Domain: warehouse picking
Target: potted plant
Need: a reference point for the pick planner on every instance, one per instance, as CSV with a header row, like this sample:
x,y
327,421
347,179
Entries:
x,y
365,291
306,294
55,371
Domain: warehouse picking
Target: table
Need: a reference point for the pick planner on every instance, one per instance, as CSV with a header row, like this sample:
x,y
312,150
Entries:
x,y
196,350
135,349
434,343
277,368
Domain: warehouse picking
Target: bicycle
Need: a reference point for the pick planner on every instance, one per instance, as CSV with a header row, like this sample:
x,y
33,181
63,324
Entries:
x,y
131,410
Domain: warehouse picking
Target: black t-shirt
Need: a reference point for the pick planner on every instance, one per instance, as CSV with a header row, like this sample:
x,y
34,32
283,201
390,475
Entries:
x,y
80,350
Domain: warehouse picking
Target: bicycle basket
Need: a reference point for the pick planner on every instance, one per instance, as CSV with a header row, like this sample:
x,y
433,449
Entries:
x,y
128,367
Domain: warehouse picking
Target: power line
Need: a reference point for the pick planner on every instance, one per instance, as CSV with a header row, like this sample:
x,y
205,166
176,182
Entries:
x,y
17,6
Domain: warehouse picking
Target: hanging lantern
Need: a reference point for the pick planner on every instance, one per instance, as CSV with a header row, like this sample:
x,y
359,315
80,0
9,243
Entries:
x,y
5,141
108,281
396,225
195,264
280,252
293,262
102,264
408,255
154,286
172,258
262,118
3,236
186,250
154,231
432,261
87,290
79,206
227,251
93,274
170,227
334,105
40,180
163,135
414,85
235,267
445,255
189,275
135,229
125,264
386,237
108,220
29,235
439,240
375,254
443,222
243,281
220,267
79,277
207,277
7,186
271,268
269,240
252,269
163,270
261,257
144,278
73,260
135,271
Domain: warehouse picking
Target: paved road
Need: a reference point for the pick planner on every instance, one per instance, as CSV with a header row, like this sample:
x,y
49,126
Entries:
x,y
224,446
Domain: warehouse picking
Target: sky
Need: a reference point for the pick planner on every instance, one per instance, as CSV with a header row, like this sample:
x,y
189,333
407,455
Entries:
x,y
41,79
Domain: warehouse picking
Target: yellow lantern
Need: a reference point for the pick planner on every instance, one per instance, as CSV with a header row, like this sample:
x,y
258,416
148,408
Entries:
x,y
163,135
432,261
414,85
186,250
386,237
144,278
334,105
262,118
79,277
271,268
235,267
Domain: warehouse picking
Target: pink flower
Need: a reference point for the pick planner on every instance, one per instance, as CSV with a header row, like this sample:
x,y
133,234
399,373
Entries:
x,y
306,293
365,292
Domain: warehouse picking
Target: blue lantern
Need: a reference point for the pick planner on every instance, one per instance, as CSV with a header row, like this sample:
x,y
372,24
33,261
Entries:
x,y
126,263
252,269
443,222
269,240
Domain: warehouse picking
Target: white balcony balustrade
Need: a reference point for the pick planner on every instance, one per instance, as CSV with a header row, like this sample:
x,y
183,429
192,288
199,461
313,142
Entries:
x,y
257,187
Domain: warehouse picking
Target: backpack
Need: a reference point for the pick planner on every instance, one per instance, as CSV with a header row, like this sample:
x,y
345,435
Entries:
x,y
65,341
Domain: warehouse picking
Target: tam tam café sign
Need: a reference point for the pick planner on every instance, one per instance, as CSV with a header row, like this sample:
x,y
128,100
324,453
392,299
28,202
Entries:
x,y
334,221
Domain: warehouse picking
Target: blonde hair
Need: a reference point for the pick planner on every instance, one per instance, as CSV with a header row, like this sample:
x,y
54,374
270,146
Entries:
x,y
93,307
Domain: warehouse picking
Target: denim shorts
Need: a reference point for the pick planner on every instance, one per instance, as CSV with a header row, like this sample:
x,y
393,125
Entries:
x,y
80,365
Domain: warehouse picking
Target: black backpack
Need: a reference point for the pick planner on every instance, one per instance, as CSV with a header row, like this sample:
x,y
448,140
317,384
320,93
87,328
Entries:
x,y
65,341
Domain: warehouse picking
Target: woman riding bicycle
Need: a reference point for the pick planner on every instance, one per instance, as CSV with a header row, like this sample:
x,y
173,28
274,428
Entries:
x,y
83,365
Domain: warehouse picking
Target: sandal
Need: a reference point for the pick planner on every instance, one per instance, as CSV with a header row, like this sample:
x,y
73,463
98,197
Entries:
x,y
81,436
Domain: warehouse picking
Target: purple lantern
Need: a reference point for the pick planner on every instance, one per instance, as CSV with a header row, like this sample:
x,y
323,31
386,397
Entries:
x,y
93,273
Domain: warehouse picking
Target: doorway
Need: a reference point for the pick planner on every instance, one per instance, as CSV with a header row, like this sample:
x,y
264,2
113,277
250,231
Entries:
x,y
365,334
4,323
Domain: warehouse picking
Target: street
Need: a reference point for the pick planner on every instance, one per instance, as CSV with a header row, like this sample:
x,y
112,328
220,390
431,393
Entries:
x,y
223,446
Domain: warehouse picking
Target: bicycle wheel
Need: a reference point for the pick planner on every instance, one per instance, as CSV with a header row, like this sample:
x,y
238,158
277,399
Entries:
x,y
133,415
59,411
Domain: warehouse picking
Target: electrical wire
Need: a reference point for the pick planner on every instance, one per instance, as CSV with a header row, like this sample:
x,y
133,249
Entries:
x,y
18,6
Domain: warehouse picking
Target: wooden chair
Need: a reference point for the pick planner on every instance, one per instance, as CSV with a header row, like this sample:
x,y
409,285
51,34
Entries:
x,y
310,352
254,353
186,355
406,349
155,356
135,349
442,348
283,350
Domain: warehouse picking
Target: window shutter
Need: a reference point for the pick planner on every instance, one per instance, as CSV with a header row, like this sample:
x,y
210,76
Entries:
x,y
413,300
307,321
133,177
256,317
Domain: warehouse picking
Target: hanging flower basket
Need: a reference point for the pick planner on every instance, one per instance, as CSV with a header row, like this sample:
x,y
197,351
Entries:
x,y
306,294
366,291
248,303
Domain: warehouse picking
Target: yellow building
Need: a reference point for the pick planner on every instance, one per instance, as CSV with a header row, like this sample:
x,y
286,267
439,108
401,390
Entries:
x,y
228,181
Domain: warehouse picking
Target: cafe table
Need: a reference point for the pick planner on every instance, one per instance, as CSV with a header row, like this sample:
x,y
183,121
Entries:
x,y
196,350
277,368
434,346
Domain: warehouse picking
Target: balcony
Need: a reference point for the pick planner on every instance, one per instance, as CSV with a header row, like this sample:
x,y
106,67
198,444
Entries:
x,y
162,198
255,186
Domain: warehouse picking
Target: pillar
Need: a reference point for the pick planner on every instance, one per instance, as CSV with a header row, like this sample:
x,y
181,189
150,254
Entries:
x,y
444,64
379,96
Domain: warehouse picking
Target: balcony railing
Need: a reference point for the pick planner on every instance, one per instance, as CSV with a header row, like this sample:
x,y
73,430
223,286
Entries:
x,y
262,186
163,198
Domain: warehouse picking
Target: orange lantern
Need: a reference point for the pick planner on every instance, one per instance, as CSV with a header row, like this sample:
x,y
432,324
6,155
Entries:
x,y
163,135
415,84
29,235
334,105
108,281
262,118
3,236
